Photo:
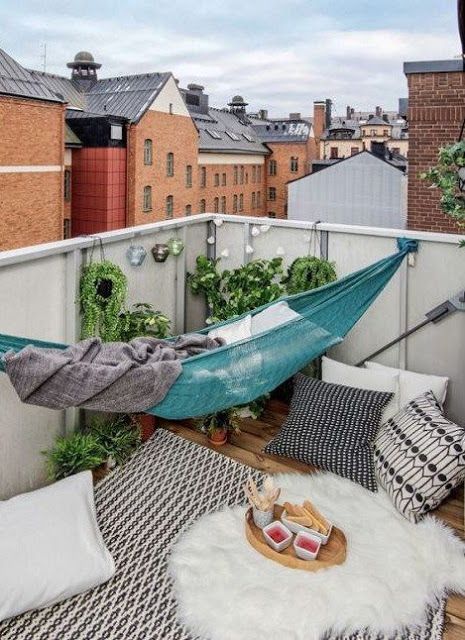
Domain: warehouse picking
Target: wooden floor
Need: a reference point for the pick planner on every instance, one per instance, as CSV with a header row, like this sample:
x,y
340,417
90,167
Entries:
x,y
247,447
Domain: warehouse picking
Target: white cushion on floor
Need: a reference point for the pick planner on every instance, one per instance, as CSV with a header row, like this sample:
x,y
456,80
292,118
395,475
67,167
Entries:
x,y
50,546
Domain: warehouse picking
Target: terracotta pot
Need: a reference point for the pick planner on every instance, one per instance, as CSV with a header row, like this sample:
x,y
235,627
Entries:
x,y
146,423
218,437
100,472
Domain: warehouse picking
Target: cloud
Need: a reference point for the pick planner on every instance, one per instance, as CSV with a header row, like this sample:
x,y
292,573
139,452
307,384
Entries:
x,y
280,56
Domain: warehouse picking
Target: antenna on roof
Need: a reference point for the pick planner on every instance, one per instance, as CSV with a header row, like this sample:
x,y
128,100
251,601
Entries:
x,y
43,56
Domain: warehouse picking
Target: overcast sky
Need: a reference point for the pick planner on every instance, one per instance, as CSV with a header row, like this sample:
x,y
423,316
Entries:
x,y
279,55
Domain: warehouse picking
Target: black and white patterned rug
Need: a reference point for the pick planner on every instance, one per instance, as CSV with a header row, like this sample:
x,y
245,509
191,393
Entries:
x,y
142,510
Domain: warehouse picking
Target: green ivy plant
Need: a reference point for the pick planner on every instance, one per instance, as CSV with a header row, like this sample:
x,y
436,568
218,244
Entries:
x,y
75,453
231,293
143,320
227,419
308,272
444,176
117,437
100,315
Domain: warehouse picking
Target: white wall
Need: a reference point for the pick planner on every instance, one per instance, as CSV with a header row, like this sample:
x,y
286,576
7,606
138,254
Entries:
x,y
361,190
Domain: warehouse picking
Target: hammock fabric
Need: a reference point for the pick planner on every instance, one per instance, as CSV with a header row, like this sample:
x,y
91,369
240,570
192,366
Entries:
x,y
238,373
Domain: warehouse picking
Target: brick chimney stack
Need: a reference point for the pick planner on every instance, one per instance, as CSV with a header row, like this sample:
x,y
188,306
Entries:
x,y
319,122
379,112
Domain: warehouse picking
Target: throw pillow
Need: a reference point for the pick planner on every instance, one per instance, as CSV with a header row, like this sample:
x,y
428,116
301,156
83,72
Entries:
x,y
333,427
50,546
412,385
420,457
273,316
235,331
374,380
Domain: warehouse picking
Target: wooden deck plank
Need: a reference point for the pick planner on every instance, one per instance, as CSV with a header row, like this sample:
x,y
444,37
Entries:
x,y
247,447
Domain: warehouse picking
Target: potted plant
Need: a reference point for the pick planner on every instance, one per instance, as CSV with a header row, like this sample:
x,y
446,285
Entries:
x,y
75,453
217,426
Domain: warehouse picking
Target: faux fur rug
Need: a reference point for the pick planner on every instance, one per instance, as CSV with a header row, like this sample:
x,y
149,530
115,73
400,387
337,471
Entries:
x,y
393,571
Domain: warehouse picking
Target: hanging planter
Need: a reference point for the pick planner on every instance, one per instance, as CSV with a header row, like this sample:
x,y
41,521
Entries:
x,y
136,255
175,246
160,252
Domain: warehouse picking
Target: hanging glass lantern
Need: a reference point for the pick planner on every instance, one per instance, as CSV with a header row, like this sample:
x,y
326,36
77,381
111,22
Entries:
x,y
160,252
176,246
136,255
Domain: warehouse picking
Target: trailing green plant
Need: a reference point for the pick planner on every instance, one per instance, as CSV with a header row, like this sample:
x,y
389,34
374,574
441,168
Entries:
x,y
118,437
308,272
143,320
75,453
444,176
231,293
102,296
253,409
227,419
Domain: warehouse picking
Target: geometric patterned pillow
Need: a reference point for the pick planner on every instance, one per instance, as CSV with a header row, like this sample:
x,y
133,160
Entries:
x,y
419,457
333,427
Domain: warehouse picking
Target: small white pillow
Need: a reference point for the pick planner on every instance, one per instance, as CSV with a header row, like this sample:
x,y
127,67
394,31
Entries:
x,y
340,373
235,331
414,384
273,316
50,546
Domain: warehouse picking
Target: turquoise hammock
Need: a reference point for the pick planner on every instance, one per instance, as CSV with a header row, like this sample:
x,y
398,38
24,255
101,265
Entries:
x,y
238,373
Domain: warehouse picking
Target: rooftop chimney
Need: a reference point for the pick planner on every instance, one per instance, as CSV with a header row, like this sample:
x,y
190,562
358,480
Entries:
x,y
319,122
295,116
348,112
379,111
263,114
84,69
195,98
386,118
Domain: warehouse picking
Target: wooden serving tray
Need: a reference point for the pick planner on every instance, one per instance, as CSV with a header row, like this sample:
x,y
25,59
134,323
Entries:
x,y
331,554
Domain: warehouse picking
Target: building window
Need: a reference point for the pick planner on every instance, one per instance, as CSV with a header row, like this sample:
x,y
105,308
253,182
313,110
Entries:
x,y
333,153
272,193
170,165
386,133
147,204
169,207
148,158
354,151
396,150
188,209
246,177
259,198
272,168
223,204
241,202
67,185
116,131
170,108
259,173
189,176
242,174
271,214
253,199
203,176
236,174
294,164
373,132
224,180
202,206
254,173
66,228
235,203
216,205
217,179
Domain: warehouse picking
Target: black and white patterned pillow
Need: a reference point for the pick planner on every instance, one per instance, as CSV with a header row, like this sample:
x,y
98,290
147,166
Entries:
x,y
332,426
419,457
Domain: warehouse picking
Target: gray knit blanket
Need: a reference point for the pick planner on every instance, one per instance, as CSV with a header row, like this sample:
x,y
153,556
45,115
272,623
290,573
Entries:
x,y
114,376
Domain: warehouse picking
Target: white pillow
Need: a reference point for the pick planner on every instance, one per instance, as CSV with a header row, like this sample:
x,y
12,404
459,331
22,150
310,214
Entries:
x,y
273,316
340,373
414,384
235,331
50,546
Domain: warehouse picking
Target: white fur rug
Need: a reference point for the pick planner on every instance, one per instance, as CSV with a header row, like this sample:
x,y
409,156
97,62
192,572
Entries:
x,y
227,591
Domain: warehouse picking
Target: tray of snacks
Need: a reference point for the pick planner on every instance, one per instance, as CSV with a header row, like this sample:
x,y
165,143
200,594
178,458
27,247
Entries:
x,y
295,536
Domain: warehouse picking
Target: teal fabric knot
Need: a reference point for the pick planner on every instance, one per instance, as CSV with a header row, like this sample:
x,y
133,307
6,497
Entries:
x,y
407,245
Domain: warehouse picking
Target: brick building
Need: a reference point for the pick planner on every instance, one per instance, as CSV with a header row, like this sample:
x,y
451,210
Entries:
x,y
436,114
31,159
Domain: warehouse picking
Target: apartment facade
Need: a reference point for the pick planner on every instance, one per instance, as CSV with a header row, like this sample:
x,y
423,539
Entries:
x,y
31,159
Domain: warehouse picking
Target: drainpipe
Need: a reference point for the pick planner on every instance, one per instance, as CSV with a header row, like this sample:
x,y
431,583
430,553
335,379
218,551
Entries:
x,y
461,20
128,137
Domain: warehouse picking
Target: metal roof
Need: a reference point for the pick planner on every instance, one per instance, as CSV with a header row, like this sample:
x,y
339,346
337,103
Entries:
x,y
283,130
225,127
15,80
61,86
71,139
375,120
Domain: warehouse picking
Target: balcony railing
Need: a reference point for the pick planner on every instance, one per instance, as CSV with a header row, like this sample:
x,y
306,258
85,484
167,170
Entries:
x,y
39,288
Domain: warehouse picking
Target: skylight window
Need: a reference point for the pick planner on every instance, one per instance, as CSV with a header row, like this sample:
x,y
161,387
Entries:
x,y
213,133
247,137
232,135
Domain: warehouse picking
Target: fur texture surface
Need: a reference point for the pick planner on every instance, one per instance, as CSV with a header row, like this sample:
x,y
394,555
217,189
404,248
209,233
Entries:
x,y
227,591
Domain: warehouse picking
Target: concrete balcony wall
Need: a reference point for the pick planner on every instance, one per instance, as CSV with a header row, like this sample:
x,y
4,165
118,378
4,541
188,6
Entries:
x,y
39,287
